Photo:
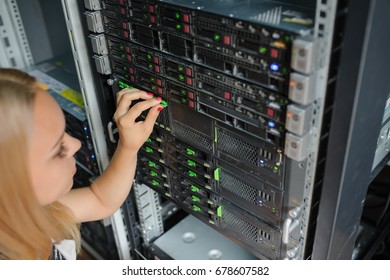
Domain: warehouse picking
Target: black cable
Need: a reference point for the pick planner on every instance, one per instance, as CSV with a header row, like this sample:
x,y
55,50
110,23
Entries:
x,y
384,211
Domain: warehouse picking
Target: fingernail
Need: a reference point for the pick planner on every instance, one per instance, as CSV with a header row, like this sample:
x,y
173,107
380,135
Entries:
x,y
159,98
149,93
160,109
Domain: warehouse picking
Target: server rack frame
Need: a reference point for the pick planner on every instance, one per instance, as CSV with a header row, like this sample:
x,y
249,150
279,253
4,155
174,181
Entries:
x,y
360,97
17,52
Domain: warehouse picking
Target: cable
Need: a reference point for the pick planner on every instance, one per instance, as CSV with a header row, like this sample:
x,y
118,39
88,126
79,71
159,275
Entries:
x,y
384,211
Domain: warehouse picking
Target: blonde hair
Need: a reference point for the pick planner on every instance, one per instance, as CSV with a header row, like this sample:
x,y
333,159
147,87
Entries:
x,y
27,229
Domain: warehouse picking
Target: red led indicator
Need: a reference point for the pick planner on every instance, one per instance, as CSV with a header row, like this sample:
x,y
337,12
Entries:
x,y
159,82
191,95
125,34
127,49
155,60
226,40
186,18
124,25
121,2
157,69
188,71
189,81
227,95
270,112
132,78
274,53
152,19
129,58
191,104
131,70
186,29
151,9
160,91
123,11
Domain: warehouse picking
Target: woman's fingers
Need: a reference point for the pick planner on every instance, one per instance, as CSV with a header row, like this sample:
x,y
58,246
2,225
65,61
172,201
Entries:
x,y
137,109
125,98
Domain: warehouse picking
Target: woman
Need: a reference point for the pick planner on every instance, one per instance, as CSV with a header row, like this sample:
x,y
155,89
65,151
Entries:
x,y
39,213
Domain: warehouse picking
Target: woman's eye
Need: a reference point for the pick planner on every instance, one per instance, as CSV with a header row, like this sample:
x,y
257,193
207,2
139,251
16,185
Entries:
x,y
62,151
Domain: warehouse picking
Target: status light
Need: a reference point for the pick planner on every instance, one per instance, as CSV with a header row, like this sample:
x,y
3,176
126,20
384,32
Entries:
x,y
271,124
274,67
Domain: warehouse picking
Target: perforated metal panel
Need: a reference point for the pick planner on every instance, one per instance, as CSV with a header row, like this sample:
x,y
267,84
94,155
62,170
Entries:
x,y
239,188
192,137
237,148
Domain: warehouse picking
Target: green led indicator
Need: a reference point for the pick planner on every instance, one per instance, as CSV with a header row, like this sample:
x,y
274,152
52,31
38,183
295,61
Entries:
x,y
217,37
191,163
181,78
150,66
164,103
149,56
195,198
217,174
183,92
286,38
178,26
148,150
196,208
190,152
123,85
219,211
276,168
149,140
145,16
151,164
153,173
123,55
273,209
152,79
263,50
284,70
121,47
181,68
155,183
192,173
183,100
194,188
177,15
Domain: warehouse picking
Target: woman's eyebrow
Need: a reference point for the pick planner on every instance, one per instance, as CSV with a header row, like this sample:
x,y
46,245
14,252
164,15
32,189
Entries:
x,y
59,140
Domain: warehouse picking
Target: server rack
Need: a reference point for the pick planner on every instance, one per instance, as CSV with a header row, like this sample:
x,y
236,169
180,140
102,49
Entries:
x,y
144,39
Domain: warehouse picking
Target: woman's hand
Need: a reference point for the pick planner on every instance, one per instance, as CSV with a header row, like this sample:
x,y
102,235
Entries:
x,y
132,134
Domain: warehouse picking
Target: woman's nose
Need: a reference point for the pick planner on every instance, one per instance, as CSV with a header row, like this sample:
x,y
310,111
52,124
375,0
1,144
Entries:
x,y
74,145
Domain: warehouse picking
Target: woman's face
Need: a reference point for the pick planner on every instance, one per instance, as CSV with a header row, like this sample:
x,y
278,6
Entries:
x,y
51,151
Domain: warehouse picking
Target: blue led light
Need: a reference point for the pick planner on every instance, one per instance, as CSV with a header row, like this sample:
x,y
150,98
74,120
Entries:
x,y
85,128
261,162
92,156
274,67
271,124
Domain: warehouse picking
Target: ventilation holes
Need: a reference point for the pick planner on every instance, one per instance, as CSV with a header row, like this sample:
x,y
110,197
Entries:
x,y
192,137
237,148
